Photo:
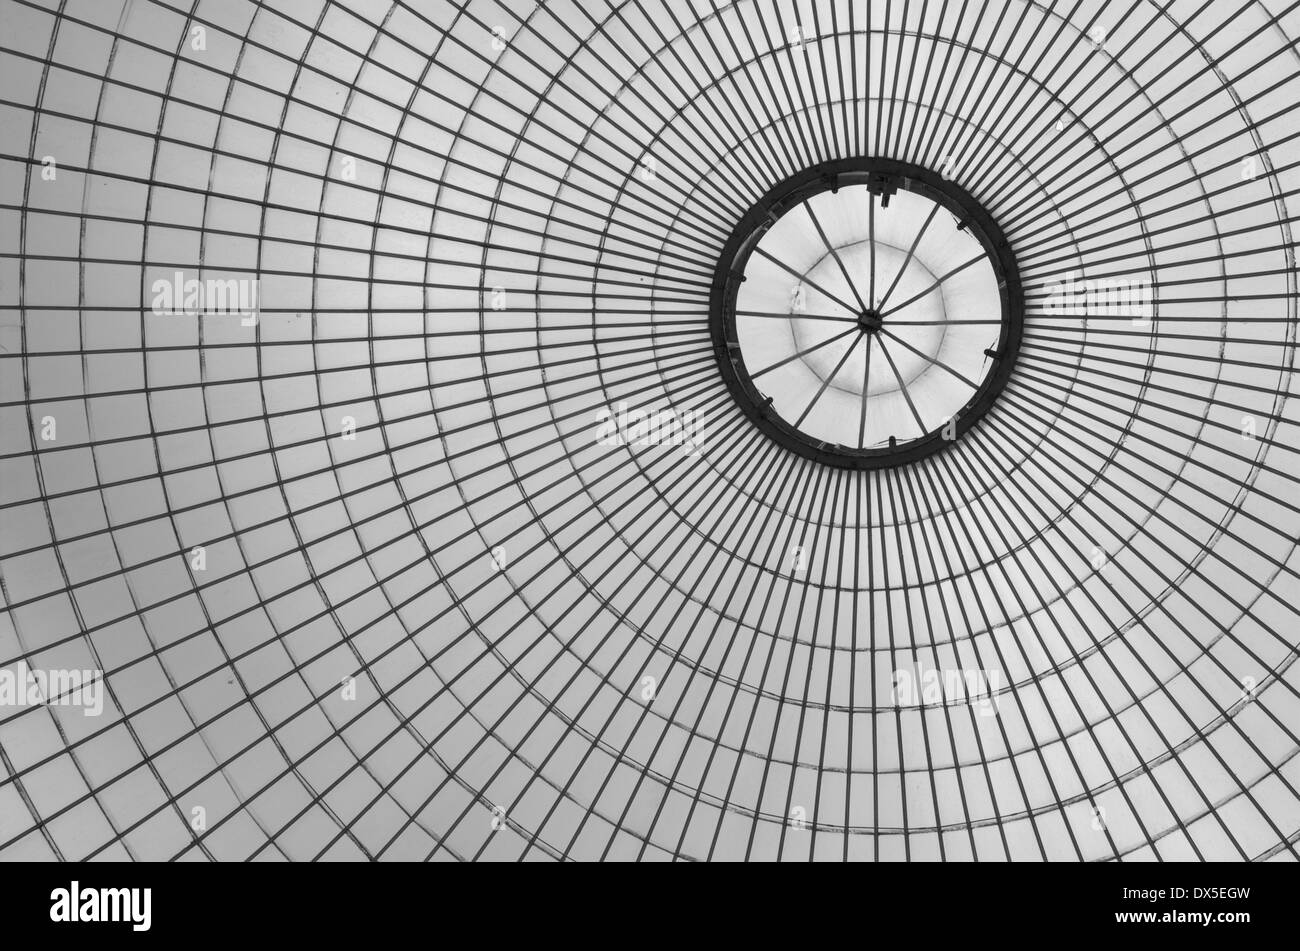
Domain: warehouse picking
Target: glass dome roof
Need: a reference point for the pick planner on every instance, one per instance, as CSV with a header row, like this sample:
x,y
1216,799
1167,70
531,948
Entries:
x,y
370,487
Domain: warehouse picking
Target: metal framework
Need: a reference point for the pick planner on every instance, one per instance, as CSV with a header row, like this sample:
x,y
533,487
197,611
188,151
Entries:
x,y
362,577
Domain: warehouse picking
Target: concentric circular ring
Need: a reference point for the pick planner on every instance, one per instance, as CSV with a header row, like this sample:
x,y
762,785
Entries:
x,y
998,312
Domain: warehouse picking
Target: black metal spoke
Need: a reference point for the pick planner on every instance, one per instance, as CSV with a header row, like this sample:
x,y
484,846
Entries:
x,y
911,252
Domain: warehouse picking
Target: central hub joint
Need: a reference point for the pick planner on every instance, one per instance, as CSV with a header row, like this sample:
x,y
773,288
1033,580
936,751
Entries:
x,y
870,321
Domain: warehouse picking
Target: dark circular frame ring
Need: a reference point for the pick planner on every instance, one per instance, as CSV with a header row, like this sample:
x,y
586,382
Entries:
x,y
883,177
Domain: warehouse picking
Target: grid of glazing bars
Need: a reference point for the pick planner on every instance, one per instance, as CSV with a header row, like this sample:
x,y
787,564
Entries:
x,y
362,583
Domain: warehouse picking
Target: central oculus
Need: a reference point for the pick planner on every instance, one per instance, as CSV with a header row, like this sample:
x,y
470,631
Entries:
x,y
866,313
